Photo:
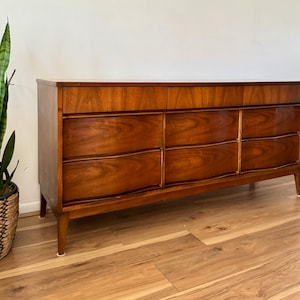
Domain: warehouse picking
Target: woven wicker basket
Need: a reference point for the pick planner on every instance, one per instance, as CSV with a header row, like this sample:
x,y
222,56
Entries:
x,y
9,213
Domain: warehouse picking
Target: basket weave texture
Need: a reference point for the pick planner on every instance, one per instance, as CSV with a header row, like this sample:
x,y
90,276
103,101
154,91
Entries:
x,y
9,213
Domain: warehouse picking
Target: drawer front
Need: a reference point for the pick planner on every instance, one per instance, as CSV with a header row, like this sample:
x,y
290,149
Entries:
x,y
264,154
185,165
201,97
111,135
271,94
111,177
270,122
110,99
201,127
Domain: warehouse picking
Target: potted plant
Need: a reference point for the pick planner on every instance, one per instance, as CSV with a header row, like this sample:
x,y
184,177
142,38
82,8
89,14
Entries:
x,y
9,193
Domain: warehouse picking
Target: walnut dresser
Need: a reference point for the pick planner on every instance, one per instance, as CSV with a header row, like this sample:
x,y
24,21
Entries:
x,y
110,146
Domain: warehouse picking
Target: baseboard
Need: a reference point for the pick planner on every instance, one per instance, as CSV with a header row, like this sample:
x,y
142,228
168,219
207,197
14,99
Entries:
x,y
29,207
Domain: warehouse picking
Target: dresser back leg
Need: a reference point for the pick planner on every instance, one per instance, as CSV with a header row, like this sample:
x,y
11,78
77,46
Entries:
x,y
297,182
43,207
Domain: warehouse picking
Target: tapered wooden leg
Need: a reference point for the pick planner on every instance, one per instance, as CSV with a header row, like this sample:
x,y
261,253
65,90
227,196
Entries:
x,y
62,229
297,182
43,207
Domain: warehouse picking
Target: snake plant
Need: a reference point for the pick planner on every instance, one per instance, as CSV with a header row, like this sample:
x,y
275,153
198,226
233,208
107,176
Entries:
x,y
7,153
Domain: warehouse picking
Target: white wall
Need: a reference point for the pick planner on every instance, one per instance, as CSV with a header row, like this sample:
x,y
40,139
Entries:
x,y
148,40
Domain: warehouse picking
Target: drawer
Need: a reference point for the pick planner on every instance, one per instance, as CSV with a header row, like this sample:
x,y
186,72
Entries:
x,y
271,94
186,165
269,153
269,122
201,127
204,96
110,99
111,135
94,179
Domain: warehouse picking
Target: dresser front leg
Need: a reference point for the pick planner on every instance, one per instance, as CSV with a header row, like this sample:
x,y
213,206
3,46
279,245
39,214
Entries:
x,y
62,229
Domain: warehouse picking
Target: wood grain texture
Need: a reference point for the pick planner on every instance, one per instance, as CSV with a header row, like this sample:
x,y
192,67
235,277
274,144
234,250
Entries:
x,y
202,97
271,94
111,99
159,252
267,122
200,128
96,136
269,153
185,165
111,176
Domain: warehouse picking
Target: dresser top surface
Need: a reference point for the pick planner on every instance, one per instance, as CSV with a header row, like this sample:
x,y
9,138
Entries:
x,y
97,83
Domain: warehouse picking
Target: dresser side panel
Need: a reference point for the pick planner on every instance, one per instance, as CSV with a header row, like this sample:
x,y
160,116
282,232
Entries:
x,y
48,144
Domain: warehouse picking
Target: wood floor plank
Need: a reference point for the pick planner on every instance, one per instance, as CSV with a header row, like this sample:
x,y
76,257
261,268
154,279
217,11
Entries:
x,y
229,257
201,214
254,283
248,212
249,230
102,266
291,293
80,257
237,243
94,283
42,250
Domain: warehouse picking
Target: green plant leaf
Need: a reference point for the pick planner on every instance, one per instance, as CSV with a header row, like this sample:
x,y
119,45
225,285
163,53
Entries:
x,y
10,177
3,115
8,153
4,61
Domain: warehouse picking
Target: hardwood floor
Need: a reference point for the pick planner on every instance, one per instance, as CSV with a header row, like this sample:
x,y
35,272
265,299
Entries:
x,y
237,243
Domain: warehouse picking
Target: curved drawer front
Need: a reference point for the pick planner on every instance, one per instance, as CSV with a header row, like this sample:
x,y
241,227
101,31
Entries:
x,y
112,176
201,127
111,135
271,153
269,122
111,99
184,165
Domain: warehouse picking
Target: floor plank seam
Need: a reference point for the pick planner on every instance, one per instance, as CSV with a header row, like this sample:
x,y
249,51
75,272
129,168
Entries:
x,y
38,226
248,231
80,257
210,283
293,289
